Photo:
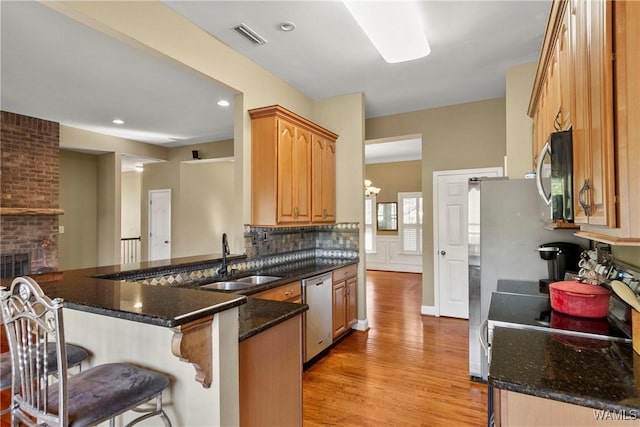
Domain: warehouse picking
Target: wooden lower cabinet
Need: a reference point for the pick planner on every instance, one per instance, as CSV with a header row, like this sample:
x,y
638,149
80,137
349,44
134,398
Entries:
x,y
291,292
345,299
270,374
517,409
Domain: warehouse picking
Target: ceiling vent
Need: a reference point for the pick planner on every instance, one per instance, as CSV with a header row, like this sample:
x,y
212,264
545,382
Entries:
x,y
246,32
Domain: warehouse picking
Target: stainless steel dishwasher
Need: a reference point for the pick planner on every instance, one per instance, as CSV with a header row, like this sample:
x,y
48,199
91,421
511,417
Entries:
x,y
318,320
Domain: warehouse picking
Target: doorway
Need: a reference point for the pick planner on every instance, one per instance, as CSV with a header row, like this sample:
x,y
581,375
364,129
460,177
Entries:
x,y
159,224
450,239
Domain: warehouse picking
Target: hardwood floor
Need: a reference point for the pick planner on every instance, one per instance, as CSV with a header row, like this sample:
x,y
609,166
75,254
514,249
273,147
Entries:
x,y
407,370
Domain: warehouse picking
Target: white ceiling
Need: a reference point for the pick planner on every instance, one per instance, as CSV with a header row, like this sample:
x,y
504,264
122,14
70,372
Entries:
x,y
393,151
55,68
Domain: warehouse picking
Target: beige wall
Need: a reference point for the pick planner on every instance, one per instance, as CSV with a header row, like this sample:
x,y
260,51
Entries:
x,y
78,245
393,178
344,115
131,193
627,254
519,83
456,137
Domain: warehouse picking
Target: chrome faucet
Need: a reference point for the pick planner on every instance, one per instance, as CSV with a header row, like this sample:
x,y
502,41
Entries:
x,y
223,271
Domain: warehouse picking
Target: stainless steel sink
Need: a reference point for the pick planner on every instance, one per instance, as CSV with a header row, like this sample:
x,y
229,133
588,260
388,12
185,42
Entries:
x,y
228,286
241,283
257,279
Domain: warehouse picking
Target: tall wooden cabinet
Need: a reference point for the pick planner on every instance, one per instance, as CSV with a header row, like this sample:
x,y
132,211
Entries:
x,y
292,169
595,46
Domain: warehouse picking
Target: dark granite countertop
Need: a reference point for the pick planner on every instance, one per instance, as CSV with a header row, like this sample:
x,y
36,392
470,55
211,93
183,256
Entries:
x,y
289,272
103,290
592,372
88,290
258,315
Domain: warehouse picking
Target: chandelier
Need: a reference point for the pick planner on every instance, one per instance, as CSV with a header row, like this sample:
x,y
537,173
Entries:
x,y
368,189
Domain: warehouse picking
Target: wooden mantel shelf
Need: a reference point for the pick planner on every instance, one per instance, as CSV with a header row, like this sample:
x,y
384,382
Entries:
x,y
31,211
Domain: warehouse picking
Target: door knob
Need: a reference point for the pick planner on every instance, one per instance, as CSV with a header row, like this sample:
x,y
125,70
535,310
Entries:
x,y
443,252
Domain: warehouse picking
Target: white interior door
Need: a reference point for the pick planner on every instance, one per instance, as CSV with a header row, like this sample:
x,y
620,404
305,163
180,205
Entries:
x,y
159,224
451,246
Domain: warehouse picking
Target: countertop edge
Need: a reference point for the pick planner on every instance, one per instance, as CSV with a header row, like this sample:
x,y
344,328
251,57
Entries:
x,y
273,321
558,396
157,321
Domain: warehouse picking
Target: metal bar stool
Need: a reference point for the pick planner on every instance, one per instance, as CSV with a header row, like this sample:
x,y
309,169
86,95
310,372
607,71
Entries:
x,y
33,322
75,356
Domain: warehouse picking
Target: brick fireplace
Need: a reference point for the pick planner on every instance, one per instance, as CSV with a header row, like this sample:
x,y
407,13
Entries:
x,y
29,183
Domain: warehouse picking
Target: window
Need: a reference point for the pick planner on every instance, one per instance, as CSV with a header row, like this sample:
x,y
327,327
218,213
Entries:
x,y
369,224
410,230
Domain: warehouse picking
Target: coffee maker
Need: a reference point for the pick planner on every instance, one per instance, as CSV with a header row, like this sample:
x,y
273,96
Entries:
x,y
562,257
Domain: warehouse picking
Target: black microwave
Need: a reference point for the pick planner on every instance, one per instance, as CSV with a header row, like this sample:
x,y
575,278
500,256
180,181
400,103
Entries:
x,y
559,148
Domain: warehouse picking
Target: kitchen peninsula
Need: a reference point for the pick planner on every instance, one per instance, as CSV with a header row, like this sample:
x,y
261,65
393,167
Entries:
x,y
133,314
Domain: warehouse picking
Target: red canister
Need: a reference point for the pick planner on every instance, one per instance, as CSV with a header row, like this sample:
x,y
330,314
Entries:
x,y
579,299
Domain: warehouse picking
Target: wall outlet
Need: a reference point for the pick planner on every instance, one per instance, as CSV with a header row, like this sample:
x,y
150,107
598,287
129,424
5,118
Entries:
x,y
61,229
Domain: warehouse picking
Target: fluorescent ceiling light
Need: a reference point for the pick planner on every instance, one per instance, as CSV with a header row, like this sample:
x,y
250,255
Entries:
x,y
223,103
118,121
394,28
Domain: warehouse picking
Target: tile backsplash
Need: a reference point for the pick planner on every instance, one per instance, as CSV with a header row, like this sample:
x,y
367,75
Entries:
x,y
330,241
270,247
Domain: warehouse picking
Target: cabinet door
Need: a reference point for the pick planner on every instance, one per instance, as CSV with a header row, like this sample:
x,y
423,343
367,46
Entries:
x,y
565,71
339,308
323,201
294,174
594,174
352,302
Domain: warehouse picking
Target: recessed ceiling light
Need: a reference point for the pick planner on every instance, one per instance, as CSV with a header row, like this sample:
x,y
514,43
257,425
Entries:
x,y
118,121
223,103
287,26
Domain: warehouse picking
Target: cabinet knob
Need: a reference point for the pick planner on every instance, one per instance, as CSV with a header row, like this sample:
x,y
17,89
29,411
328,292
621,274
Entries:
x,y
295,212
288,293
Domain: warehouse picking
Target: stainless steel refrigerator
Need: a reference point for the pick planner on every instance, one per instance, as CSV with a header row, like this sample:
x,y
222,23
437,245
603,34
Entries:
x,y
507,221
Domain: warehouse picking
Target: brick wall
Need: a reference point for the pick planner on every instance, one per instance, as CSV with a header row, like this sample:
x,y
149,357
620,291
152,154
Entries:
x,y
29,178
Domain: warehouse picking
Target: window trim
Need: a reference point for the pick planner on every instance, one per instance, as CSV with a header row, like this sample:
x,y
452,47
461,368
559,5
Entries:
x,y
372,226
401,224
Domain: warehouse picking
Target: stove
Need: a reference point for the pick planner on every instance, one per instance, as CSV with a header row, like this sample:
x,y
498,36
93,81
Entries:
x,y
533,311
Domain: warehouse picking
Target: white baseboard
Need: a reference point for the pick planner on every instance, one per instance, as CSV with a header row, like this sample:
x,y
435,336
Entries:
x,y
361,325
428,310
394,267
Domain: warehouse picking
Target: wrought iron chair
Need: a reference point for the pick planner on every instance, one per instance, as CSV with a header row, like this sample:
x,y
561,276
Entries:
x,y
97,394
75,356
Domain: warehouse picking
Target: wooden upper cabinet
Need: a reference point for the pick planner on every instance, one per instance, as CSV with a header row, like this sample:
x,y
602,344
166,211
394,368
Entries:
x,y
552,97
294,173
565,70
595,43
594,162
284,176
323,178
626,69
